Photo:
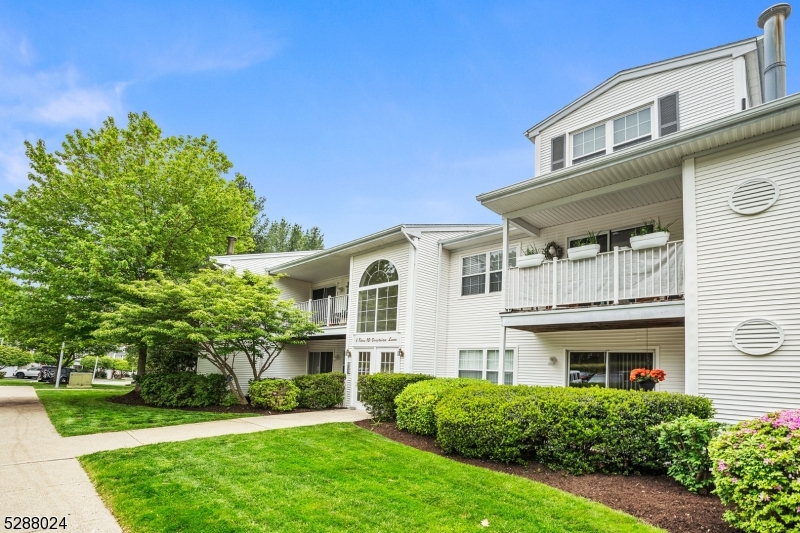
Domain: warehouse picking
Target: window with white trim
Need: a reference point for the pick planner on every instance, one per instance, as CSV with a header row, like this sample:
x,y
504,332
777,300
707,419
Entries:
x,y
485,364
484,270
606,369
377,305
632,129
589,144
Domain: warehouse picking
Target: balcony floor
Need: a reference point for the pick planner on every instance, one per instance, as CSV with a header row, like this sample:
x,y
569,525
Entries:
x,y
626,316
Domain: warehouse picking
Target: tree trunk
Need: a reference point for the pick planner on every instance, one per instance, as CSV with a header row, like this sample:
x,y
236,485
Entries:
x,y
141,365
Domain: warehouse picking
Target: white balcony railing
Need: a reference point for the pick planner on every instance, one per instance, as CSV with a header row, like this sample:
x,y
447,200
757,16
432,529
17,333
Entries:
x,y
330,311
605,279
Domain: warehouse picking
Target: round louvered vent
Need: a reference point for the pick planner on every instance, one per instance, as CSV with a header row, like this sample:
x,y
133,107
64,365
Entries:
x,y
753,196
757,336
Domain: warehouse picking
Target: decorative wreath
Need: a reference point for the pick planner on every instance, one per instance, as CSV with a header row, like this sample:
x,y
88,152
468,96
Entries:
x,y
556,247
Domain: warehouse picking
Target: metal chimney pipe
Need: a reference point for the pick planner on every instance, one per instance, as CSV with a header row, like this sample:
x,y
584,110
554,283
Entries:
x,y
231,244
773,21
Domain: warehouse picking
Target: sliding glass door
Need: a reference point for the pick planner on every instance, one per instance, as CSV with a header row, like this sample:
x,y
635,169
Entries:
x,y
606,369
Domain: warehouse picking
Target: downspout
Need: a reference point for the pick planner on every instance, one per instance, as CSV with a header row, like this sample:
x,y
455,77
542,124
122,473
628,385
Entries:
x,y
436,319
412,301
501,371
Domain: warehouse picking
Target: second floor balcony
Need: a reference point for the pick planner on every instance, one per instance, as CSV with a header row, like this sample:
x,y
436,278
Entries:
x,y
327,312
611,280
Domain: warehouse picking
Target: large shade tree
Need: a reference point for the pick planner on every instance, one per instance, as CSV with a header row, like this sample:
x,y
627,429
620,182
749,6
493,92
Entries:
x,y
227,315
112,206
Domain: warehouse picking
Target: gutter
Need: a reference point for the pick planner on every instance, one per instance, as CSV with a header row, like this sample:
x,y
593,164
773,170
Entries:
x,y
741,118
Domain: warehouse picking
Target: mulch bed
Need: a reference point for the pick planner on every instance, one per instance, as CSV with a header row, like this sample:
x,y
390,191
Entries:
x,y
134,398
657,500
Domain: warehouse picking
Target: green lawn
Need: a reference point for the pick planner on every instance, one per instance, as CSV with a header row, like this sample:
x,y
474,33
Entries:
x,y
80,412
328,478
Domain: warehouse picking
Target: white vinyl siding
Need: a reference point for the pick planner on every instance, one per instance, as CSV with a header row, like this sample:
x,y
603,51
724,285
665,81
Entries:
x,y
425,315
759,280
706,93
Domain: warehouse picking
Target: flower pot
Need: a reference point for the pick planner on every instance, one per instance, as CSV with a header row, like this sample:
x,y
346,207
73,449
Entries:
x,y
651,240
527,261
647,385
583,252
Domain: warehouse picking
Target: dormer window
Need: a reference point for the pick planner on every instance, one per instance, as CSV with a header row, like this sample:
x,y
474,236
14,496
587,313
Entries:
x,y
632,129
589,144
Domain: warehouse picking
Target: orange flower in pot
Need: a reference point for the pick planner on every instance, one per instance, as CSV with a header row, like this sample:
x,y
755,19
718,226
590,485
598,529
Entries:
x,y
647,378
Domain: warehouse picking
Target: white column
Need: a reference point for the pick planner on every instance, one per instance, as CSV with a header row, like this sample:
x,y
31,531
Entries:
x,y
692,345
502,355
411,299
616,275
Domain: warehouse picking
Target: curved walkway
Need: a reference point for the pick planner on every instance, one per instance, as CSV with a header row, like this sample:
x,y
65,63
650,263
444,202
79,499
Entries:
x,y
39,475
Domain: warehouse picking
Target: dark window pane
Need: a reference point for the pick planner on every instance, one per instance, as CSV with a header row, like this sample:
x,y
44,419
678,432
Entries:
x,y
473,285
587,369
495,281
620,365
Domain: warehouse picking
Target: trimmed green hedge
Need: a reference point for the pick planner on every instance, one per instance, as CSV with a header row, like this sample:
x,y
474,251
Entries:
x,y
182,389
378,392
576,429
686,440
274,394
320,391
415,404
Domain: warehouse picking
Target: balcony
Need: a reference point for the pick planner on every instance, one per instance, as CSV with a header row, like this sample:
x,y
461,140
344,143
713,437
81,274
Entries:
x,y
622,288
330,312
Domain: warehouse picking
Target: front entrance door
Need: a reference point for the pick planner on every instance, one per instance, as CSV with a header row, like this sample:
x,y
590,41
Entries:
x,y
372,361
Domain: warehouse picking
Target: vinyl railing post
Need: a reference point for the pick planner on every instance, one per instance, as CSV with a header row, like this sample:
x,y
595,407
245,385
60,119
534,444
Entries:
x,y
555,282
329,318
616,275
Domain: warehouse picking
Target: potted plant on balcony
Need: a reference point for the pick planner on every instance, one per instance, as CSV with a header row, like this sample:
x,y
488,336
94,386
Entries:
x,y
647,378
531,257
651,235
584,248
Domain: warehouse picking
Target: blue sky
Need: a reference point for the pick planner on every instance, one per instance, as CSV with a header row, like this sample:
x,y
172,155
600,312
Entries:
x,y
351,116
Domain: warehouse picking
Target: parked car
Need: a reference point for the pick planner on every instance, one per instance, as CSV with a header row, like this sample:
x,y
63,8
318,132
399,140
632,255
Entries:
x,y
575,377
48,374
27,373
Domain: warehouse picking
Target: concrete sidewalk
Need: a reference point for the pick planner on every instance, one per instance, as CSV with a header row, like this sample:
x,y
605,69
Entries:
x,y
41,477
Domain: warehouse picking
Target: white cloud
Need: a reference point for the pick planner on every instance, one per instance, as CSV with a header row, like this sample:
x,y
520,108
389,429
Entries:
x,y
75,104
14,165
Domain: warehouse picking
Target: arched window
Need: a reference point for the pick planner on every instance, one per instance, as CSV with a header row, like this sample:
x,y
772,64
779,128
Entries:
x,y
377,300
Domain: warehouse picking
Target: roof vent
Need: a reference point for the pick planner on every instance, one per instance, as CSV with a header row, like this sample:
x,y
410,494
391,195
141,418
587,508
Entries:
x,y
773,21
754,196
757,336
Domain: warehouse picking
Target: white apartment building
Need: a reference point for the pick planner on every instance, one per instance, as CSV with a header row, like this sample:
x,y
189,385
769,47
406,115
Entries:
x,y
708,142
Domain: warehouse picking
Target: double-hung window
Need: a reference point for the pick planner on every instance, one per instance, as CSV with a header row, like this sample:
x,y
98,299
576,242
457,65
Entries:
x,y
589,144
631,129
484,270
485,364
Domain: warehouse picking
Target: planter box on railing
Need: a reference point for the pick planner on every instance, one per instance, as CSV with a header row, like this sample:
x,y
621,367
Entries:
x,y
528,261
583,252
651,240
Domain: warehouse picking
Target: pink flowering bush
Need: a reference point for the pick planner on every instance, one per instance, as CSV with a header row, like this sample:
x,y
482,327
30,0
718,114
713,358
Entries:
x,y
756,468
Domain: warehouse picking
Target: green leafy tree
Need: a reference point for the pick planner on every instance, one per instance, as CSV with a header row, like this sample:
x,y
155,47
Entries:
x,y
278,236
13,356
109,208
228,316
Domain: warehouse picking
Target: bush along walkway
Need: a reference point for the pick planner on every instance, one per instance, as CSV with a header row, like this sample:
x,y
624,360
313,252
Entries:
x,y
41,476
